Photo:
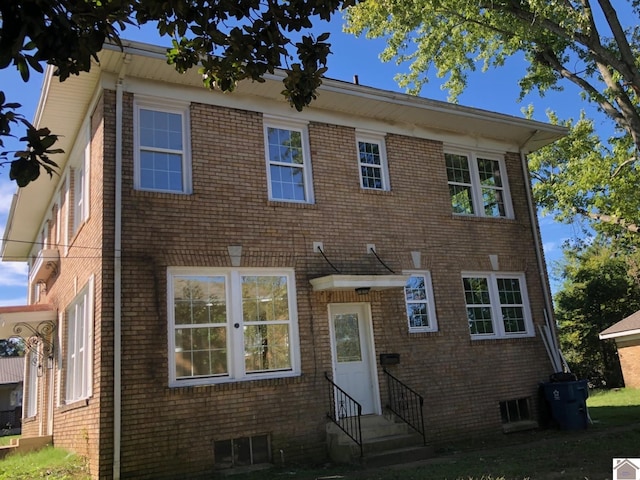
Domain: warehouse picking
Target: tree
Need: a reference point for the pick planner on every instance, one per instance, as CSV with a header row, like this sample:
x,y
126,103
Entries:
x,y
580,175
12,347
584,42
228,40
597,292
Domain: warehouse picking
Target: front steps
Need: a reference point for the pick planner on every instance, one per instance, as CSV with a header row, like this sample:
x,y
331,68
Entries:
x,y
25,444
385,441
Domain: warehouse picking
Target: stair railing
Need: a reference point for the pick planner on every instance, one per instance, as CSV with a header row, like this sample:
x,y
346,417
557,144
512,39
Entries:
x,y
406,403
345,412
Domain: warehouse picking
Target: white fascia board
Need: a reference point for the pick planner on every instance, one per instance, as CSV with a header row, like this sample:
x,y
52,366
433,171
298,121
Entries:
x,y
626,333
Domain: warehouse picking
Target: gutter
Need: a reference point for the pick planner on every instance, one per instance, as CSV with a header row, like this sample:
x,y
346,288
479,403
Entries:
x,y
117,281
542,269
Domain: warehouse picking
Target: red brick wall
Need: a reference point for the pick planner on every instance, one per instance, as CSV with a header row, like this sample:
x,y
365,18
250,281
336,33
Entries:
x,y
629,354
170,431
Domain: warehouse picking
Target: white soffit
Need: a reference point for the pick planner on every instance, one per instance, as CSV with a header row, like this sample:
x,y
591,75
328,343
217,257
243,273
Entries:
x,y
351,282
32,315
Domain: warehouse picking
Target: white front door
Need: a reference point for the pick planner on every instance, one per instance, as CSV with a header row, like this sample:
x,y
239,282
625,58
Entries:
x,y
354,366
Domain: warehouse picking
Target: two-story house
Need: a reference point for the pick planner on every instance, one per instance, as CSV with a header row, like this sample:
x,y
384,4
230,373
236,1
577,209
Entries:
x,y
209,272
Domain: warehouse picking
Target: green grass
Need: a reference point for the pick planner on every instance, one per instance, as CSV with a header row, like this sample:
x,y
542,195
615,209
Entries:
x,y
6,440
534,455
50,463
620,406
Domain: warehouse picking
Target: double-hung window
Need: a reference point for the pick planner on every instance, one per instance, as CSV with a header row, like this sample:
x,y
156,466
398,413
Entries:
x,y
231,325
497,305
288,161
79,371
372,160
477,184
418,294
162,158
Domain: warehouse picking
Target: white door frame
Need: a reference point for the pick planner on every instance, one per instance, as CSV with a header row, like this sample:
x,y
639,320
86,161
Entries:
x,y
371,350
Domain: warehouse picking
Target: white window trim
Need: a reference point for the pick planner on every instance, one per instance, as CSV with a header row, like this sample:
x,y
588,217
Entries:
x,y
234,311
306,156
85,295
168,106
379,139
496,313
81,155
31,368
431,307
476,188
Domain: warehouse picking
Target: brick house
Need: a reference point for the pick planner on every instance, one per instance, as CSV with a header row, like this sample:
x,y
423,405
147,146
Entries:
x,y
626,334
204,258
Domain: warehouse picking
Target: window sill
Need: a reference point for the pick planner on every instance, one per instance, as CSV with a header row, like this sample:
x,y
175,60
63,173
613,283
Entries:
x,y
478,218
74,405
375,191
180,196
29,419
488,339
231,384
284,203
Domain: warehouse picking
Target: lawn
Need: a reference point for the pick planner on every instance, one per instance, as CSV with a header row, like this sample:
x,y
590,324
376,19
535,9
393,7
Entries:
x,y
535,455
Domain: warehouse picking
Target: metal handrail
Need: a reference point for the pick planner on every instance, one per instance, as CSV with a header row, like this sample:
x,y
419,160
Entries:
x,y
406,403
345,412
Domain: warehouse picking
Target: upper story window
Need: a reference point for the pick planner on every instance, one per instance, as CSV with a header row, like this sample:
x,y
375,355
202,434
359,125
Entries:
x,y
80,180
231,325
418,294
288,162
79,371
162,158
477,185
372,160
497,305
79,197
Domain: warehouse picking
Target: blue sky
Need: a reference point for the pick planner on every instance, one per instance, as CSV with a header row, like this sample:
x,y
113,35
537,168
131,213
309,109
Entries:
x,y
495,90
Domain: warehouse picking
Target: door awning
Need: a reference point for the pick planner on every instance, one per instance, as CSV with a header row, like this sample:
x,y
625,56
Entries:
x,y
352,282
27,320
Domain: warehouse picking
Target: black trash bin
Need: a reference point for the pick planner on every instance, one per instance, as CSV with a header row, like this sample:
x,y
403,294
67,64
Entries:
x,y
568,403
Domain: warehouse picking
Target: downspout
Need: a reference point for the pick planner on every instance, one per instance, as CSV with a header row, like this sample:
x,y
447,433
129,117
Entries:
x,y
533,217
117,280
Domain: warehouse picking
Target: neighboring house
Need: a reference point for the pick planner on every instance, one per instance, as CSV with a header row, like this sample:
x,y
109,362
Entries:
x,y
11,378
626,334
206,257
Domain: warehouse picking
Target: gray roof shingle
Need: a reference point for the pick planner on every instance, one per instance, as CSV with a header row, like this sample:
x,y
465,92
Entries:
x,y
630,324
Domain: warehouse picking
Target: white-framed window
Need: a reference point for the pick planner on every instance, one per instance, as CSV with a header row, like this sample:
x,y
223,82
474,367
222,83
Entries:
x,y
372,162
418,296
79,174
162,156
231,325
477,184
31,409
497,305
79,368
79,199
288,161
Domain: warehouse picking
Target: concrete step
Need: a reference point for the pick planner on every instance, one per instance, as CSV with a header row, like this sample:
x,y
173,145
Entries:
x,y
372,427
398,456
380,435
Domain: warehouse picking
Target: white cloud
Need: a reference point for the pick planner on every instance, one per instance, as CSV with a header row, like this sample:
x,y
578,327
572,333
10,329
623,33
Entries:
x,y
7,190
13,274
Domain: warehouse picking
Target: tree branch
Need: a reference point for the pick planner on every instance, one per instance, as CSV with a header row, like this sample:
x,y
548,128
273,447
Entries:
x,y
631,227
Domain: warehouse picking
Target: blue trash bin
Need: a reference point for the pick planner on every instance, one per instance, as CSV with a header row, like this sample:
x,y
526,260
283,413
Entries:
x,y
568,403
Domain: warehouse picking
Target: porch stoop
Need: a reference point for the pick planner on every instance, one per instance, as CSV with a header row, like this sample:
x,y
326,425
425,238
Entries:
x,y
25,444
385,441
